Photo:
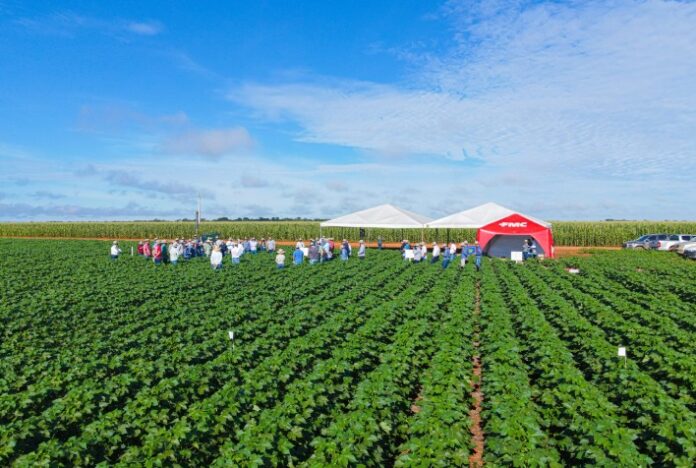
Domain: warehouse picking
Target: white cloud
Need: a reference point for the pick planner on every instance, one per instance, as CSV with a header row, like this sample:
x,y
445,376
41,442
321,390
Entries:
x,y
145,28
211,143
549,89
249,181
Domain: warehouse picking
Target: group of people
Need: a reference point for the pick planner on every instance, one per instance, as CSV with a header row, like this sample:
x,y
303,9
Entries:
x,y
419,253
529,249
319,251
315,251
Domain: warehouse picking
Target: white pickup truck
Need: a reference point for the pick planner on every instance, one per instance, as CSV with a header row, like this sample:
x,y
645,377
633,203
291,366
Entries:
x,y
673,241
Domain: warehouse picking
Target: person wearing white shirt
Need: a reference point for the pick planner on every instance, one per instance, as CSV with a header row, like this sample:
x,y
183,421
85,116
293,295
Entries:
x,y
453,250
216,258
424,252
174,252
253,245
115,251
236,253
436,253
299,244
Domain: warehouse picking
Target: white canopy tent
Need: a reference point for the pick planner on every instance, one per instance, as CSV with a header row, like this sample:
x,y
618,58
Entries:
x,y
477,217
382,216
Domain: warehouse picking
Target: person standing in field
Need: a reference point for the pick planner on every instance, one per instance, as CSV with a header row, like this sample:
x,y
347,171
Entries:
x,y
140,248
465,253
361,250
345,250
298,256
313,254
436,253
174,253
115,250
280,259
165,251
236,253
417,254
216,258
253,246
478,252
157,253
379,243
146,249
424,252
446,256
270,245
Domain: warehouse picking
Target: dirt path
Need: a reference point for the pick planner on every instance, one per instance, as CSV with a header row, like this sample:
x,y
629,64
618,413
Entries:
x,y
476,459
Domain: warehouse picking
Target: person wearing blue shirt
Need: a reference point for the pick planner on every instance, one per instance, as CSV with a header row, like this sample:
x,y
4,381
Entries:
x,y
379,243
478,252
298,256
465,253
446,256
345,250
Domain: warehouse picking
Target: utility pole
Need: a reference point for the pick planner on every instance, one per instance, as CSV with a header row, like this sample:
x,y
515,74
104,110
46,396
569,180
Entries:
x,y
198,214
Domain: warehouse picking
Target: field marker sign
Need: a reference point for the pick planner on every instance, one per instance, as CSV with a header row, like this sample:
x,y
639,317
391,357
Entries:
x,y
230,335
622,353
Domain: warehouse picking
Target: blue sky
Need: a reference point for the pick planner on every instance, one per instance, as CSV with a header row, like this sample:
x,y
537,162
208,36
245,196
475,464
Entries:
x,y
564,110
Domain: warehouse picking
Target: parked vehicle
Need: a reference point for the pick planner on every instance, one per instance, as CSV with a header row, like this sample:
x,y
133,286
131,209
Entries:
x,y
682,248
690,252
643,242
672,241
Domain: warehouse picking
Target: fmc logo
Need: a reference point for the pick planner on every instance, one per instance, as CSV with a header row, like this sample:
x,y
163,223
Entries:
x,y
513,225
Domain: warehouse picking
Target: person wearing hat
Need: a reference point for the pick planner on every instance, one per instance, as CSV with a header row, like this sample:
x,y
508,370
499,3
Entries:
x,y
115,251
174,252
207,248
436,253
478,252
280,259
270,245
216,258
361,250
236,253
140,248
345,250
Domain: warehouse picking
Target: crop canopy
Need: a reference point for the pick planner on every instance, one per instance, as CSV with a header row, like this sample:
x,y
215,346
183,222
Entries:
x,y
382,216
479,216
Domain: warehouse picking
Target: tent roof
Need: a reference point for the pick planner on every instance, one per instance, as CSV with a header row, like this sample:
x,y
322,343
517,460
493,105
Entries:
x,y
479,216
382,216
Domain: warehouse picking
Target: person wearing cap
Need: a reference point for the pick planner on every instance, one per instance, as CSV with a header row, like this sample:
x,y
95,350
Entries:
x,y
436,253
280,259
478,252
297,256
465,253
446,258
361,250
216,258
345,250
115,250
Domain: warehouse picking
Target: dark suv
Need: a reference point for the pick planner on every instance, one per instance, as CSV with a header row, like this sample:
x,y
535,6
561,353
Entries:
x,y
644,242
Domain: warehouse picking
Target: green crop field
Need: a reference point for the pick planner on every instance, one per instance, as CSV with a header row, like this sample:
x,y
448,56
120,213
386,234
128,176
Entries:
x,y
345,363
594,234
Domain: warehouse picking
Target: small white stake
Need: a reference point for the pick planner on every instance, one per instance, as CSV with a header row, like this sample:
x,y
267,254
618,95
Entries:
x,y
230,334
622,353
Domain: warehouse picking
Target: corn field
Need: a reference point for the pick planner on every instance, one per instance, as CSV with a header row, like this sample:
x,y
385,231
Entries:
x,y
601,233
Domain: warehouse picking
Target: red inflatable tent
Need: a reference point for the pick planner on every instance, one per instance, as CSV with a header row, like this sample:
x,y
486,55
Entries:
x,y
504,235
